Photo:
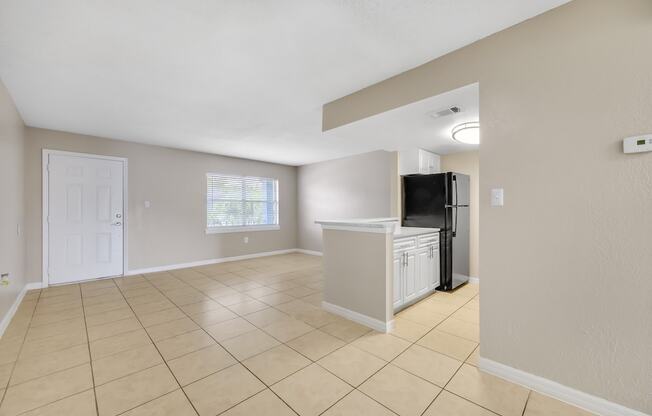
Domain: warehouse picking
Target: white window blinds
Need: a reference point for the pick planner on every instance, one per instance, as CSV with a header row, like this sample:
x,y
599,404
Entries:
x,y
241,202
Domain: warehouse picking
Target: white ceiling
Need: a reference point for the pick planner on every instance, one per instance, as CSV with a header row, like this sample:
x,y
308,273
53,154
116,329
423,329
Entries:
x,y
244,78
412,125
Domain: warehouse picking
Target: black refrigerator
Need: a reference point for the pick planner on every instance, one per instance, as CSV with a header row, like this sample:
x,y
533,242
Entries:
x,y
441,201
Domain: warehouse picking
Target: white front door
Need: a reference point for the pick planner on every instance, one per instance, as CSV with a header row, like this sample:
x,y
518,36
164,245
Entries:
x,y
85,218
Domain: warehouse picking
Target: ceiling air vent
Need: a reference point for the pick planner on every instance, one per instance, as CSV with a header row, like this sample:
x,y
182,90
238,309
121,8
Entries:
x,y
445,112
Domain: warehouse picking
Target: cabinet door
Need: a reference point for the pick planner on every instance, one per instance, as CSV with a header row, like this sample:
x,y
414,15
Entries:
x,y
428,162
398,280
424,271
435,278
423,162
410,274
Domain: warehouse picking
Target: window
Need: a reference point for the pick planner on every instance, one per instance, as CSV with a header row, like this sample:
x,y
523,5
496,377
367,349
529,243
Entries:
x,y
241,203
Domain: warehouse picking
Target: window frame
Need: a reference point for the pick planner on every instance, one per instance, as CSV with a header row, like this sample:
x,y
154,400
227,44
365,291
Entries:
x,y
241,228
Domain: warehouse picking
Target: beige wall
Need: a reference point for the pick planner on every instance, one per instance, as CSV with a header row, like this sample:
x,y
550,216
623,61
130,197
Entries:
x,y
172,230
469,164
361,186
566,264
358,272
12,245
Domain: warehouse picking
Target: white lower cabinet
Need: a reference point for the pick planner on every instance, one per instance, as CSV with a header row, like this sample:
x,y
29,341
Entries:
x,y
398,287
416,269
435,278
410,276
426,271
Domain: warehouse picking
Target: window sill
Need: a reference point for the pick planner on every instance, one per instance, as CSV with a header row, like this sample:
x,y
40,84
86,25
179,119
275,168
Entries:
x,y
242,229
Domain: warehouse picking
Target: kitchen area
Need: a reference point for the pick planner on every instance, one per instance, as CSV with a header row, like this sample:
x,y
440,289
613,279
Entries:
x,y
398,228
374,268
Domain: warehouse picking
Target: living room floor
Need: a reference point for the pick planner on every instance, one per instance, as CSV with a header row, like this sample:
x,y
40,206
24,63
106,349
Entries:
x,y
245,338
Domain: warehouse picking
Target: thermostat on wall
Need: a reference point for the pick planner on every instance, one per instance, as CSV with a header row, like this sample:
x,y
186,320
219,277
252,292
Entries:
x,y
637,144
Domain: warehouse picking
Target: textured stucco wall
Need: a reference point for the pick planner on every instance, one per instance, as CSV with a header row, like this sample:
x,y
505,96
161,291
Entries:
x,y
12,242
566,266
360,186
172,230
358,272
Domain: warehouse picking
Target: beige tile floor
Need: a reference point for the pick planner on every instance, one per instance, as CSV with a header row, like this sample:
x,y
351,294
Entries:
x,y
245,338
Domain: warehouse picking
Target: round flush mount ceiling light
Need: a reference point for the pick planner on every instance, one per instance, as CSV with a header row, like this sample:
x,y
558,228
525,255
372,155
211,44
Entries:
x,y
467,133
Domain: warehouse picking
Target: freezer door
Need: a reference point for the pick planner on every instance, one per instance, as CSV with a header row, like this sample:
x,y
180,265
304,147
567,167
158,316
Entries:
x,y
424,201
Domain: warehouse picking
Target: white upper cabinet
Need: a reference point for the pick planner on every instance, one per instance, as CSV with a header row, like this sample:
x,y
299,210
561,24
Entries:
x,y
418,161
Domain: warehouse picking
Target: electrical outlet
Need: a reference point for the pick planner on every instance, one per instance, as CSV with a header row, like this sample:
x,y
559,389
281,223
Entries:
x,y
246,240
4,279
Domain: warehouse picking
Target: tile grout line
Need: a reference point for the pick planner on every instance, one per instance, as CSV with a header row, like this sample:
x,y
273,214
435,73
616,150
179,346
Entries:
x,y
387,362
188,284
88,341
241,362
159,352
238,362
55,372
527,400
458,369
22,344
412,343
88,345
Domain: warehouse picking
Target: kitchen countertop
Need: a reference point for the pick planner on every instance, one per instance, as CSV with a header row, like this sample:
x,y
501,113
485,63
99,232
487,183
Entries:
x,y
402,232
369,225
378,225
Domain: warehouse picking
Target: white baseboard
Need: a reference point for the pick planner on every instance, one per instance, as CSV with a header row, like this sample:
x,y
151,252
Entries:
x,y
6,320
365,320
474,280
33,286
309,252
220,260
558,391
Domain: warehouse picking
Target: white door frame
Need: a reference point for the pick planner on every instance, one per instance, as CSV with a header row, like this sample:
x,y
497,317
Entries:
x,y
46,208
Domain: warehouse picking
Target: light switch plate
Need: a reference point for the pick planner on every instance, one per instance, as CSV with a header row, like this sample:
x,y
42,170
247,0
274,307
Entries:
x,y
497,197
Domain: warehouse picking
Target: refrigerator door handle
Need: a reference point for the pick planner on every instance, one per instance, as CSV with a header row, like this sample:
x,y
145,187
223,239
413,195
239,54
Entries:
x,y
455,183
455,223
